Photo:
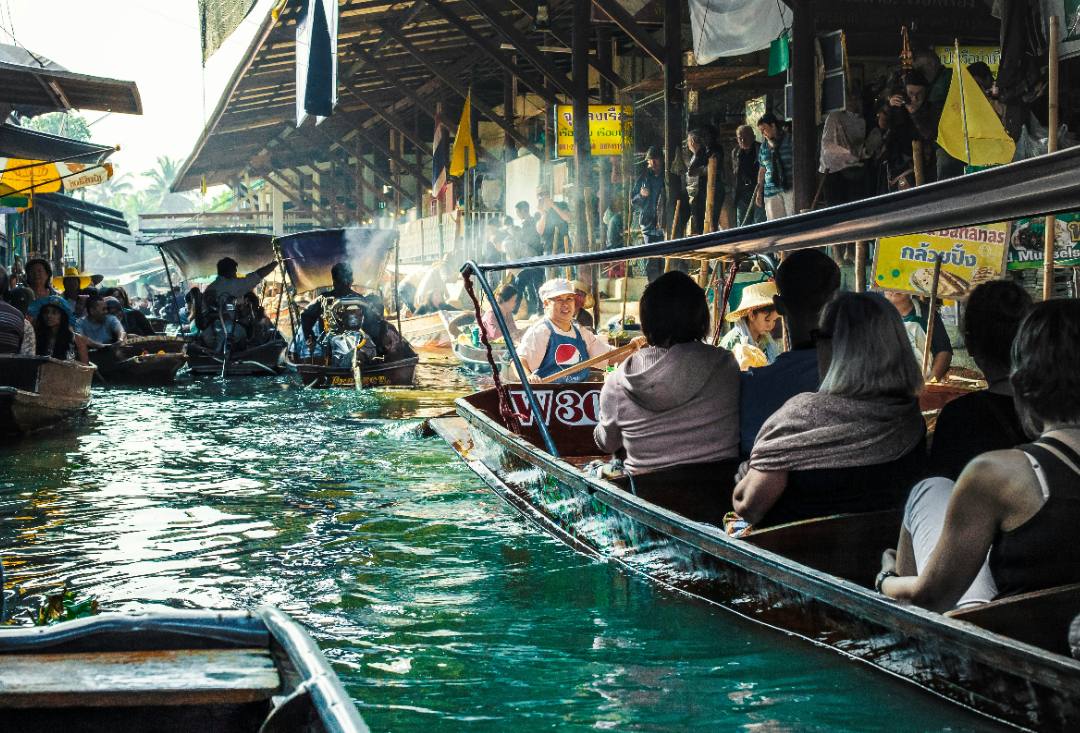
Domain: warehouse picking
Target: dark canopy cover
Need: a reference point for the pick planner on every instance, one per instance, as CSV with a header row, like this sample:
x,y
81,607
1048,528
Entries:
x,y
197,256
314,253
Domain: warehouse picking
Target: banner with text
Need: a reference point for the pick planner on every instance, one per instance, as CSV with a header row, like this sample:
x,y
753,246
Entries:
x,y
611,128
970,256
1026,242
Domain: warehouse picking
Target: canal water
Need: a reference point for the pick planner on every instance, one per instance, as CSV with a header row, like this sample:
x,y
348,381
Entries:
x,y
440,608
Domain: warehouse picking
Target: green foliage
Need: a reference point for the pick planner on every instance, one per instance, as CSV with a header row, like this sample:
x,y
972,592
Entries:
x,y
64,124
65,606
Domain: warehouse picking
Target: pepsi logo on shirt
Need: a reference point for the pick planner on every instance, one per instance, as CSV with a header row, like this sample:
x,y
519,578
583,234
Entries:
x,y
567,355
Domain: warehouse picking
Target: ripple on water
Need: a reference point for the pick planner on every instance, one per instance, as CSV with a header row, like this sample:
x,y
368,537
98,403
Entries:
x,y
437,604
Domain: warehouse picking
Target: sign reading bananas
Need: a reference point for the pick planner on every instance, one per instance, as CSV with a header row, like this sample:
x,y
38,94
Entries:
x,y
1026,244
611,128
970,256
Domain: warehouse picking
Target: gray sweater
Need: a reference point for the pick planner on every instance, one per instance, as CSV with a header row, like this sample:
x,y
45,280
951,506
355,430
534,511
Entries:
x,y
674,406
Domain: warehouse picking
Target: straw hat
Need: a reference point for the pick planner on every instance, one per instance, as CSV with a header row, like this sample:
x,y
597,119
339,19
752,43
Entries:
x,y
580,287
758,295
58,281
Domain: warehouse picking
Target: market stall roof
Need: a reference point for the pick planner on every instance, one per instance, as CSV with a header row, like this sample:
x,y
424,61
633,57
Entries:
x,y
197,256
257,110
82,212
21,142
33,85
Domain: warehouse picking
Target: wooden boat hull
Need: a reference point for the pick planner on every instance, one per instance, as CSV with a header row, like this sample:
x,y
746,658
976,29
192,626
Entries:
x,y
37,392
224,671
148,360
813,579
428,332
400,373
260,361
475,358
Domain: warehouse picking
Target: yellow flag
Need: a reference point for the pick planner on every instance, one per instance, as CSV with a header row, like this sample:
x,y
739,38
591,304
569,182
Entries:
x,y
463,155
968,114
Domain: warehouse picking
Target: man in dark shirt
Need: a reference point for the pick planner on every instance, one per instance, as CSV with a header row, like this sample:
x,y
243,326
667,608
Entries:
x,y
649,201
805,282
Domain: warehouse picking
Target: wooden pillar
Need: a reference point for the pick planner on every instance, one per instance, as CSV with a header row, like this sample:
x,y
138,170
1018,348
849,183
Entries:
x,y
582,151
421,185
607,96
673,102
804,116
1050,231
509,97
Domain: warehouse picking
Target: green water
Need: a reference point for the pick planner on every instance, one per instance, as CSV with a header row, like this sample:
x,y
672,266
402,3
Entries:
x,y
439,607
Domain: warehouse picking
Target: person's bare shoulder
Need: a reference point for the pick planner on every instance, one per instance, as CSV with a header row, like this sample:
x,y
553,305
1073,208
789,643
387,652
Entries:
x,y
1003,477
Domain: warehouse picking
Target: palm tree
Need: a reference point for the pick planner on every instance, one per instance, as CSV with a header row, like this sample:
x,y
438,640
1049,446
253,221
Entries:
x,y
112,192
157,194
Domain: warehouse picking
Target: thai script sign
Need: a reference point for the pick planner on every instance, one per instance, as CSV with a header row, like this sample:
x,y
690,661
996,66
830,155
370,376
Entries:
x,y
970,255
989,55
1027,238
611,128
568,407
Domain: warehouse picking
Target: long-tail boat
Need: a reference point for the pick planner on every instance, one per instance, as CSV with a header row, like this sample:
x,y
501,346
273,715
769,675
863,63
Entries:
x,y
38,392
1007,660
141,360
307,259
196,257
227,671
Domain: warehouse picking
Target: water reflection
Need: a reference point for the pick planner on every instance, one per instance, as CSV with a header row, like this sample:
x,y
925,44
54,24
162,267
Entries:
x,y
438,605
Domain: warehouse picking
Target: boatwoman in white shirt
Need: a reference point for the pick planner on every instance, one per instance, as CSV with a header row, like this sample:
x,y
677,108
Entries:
x,y
556,342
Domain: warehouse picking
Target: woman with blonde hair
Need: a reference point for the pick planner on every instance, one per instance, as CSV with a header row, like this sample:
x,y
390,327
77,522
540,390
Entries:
x,y
857,444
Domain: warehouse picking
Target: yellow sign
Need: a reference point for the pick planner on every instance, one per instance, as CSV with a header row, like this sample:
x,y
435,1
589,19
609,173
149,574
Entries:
x,y
989,55
611,127
970,256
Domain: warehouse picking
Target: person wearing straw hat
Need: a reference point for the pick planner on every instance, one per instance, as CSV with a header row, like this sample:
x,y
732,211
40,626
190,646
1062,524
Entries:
x,y
555,342
751,337
71,285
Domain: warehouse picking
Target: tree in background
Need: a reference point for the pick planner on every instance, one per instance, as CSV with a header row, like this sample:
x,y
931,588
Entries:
x,y
64,124
158,198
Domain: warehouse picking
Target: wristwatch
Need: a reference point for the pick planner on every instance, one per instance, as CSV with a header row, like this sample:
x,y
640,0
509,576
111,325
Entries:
x,y
880,579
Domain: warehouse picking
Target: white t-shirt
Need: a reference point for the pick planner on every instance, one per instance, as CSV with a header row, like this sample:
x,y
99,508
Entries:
x,y
535,342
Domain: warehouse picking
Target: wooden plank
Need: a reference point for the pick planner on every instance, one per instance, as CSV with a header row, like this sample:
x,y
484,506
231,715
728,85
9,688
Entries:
x,y
175,677
1040,618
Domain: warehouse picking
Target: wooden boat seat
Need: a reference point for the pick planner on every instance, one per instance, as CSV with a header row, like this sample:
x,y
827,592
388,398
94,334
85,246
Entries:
x,y
144,678
1040,618
846,545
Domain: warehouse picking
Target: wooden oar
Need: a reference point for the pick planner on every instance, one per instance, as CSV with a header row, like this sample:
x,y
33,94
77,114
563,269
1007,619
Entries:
x,y
614,353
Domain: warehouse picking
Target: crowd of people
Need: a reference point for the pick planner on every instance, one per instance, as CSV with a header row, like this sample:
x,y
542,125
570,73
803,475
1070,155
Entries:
x,y
67,315
834,426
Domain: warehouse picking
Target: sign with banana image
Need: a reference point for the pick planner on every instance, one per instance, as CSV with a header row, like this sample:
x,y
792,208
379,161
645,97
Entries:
x,y
970,256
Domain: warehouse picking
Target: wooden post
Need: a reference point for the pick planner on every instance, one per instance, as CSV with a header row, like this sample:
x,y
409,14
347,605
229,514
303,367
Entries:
x,y
673,102
710,195
931,316
672,232
420,183
1051,146
860,266
582,146
803,114
917,162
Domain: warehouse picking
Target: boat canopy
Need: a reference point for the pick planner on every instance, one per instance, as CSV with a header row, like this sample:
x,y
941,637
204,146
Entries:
x,y
197,256
310,255
1048,184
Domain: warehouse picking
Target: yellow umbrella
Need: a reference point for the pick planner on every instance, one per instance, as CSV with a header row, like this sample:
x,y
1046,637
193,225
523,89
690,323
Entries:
x,y
22,176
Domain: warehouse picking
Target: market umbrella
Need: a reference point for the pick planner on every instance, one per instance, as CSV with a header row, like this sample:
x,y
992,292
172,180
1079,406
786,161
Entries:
x,y
34,162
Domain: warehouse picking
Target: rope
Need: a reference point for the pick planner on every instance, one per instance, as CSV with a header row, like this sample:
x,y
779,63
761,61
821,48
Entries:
x,y
506,410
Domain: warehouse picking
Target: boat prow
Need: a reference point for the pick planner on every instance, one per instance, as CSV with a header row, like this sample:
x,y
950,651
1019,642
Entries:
x,y
178,670
258,361
37,392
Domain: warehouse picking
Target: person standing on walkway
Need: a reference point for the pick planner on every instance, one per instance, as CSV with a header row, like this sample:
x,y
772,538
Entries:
x,y
775,180
744,163
648,200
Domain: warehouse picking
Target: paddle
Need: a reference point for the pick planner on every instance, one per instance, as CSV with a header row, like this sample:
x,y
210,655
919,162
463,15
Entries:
x,y
614,353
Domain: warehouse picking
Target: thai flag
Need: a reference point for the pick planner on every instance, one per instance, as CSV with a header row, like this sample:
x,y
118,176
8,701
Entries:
x,y
440,157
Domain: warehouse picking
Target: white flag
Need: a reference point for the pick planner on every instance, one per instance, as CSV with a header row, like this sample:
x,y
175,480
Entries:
x,y
734,27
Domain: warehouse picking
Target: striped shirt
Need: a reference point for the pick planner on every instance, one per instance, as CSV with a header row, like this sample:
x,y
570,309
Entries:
x,y
779,164
11,329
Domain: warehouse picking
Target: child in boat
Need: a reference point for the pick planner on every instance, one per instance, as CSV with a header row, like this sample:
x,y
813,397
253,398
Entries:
x,y
1010,521
751,337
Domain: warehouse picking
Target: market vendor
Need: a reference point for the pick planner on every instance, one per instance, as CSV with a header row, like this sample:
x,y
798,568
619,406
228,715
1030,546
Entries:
x,y
555,342
754,319
915,317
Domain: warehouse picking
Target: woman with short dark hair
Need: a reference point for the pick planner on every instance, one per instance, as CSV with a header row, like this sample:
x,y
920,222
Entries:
x,y
676,401
1022,505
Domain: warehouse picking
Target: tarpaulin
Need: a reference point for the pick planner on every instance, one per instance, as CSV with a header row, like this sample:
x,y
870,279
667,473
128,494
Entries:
x,y
734,27
197,256
310,255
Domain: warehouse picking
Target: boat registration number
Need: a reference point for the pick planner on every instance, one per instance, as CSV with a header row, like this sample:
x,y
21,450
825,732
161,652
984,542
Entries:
x,y
342,381
566,406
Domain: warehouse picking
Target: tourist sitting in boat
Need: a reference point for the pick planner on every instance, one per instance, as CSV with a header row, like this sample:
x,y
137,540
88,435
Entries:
x,y
224,334
915,316
99,327
54,335
133,321
581,304
191,314
985,420
1008,525
16,334
750,338
227,284
20,299
39,279
806,280
431,294
555,342
253,317
73,284
857,443
676,401
508,300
